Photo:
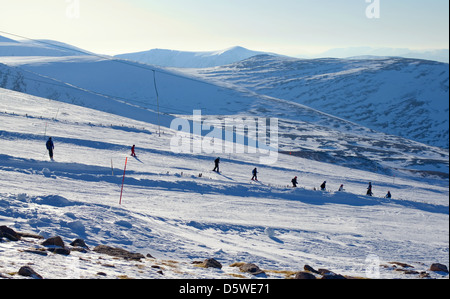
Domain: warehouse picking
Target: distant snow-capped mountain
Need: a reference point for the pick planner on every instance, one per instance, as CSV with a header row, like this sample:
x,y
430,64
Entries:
x,y
185,59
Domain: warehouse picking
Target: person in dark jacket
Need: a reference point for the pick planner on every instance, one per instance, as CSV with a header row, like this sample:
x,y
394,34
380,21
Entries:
x,y
369,189
216,163
255,177
50,147
294,182
388,195
323,186
133,153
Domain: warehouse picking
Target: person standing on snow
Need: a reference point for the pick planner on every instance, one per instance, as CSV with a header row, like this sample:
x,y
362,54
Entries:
x,y
323,186
369,189
216,163
255,171
294,182
133,154
50,147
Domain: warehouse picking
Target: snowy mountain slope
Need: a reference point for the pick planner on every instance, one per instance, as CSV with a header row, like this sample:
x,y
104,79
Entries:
x,y
185,59
170,212
115,85
404,97
441,55
9,47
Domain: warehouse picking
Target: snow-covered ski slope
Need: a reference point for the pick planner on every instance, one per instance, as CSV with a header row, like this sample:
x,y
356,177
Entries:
x,y
96,108
170,212
124,88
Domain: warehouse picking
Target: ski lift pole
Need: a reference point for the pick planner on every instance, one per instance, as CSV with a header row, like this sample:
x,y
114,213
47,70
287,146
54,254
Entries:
x,y
157,101
123,180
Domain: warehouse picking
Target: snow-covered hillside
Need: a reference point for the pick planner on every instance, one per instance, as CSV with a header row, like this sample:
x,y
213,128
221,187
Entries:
x,y
185,59
9,47
170,212
403,97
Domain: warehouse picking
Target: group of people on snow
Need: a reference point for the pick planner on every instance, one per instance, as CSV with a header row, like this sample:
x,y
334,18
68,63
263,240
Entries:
x,y
216,169
50,147
294,181
341,189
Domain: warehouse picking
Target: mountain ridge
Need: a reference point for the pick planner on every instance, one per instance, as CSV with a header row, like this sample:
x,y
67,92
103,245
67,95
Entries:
x,y
191,59
402,96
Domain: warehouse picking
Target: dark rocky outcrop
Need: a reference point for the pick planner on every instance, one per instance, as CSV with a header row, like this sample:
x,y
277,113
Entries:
x,y
56,241
252,269
118,252
304,275
27,271
439,268
9,233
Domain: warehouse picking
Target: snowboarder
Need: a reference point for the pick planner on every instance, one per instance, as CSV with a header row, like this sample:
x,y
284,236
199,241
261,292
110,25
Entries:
x,y
388,195
50,147
255,178
216,163
323,186
341,188
294,182
133,153
369,189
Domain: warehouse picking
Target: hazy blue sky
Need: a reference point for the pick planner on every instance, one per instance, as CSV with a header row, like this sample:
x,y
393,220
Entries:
x,y
284,26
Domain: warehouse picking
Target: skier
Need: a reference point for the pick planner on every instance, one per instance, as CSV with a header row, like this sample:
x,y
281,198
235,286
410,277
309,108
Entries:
x,y
133,154
294,182
388,195
50,147
341,188
369,189
255,178
216,163
323,186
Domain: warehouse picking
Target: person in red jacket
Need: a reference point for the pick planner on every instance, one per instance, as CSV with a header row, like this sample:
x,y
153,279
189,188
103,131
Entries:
x,y
133,154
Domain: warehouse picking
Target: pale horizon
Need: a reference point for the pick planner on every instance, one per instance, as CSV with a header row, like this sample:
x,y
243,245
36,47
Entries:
x,y
289,27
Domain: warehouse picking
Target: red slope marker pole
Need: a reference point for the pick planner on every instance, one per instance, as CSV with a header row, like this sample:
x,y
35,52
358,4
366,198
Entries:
x,y
123,180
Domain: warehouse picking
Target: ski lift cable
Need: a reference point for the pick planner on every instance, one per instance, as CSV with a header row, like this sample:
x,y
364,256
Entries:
x,y
170,110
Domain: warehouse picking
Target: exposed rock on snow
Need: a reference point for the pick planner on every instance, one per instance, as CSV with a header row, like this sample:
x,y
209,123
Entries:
x,y
127,262
304,275
79,243
209,263
439,268
250,268
54,241
9,233
118,252
29,272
